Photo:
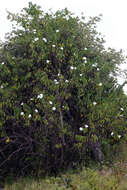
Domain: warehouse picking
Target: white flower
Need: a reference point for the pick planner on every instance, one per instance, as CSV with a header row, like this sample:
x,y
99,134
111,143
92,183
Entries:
x,y
119,136
50,102
81,129
121,109
56,82
1,86
47,61
40,96
53,108
112,133
29,116
36,110
44,39
80,75
61,48
57,30
98,69
40,17
85,59
2,63
67,81
36,39
58,74
85,48
71,67
94,65
34,31
31,98
86,126
100,84
22,103
22,113
94,103
67,17
53,45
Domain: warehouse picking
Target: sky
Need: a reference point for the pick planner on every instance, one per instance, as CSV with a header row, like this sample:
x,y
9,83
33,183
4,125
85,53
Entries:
x,y
113,25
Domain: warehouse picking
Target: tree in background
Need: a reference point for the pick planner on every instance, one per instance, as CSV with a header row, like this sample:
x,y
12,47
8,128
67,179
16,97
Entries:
x,y
60,102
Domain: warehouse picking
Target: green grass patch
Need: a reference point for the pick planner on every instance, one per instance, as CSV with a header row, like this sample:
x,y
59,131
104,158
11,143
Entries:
x,y
114,178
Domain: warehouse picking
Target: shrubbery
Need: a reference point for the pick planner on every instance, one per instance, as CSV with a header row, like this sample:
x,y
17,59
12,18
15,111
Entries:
x,y
60,102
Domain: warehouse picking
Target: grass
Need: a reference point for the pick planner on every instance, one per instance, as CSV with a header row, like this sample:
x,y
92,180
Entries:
x,y
107,178
114,178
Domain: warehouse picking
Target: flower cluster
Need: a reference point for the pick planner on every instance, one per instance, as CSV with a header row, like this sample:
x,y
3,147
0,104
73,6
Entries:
x,y
95,65
56,82
81,128
73,68
119,136
40,96
34,31
44,39
36,39
85,59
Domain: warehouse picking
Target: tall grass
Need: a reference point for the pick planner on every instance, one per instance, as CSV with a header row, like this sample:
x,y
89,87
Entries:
x,y
106,178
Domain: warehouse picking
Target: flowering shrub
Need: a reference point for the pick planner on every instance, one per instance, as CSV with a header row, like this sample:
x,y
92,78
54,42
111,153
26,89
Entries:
x,y
58,100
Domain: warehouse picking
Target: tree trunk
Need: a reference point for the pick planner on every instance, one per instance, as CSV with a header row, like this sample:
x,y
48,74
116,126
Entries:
x,y
96,150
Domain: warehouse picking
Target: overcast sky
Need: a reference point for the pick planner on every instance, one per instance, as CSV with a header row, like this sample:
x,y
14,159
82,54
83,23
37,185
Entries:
x,y
113,24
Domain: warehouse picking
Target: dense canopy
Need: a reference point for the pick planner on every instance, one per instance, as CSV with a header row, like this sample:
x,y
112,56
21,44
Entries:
x,y
60,102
